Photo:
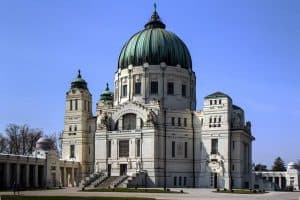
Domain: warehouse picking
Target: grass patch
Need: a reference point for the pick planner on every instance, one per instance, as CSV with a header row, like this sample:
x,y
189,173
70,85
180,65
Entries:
x,y
139,190
11,197
240,191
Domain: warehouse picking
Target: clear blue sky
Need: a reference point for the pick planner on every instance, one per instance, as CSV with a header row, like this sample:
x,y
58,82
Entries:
x,y
248,49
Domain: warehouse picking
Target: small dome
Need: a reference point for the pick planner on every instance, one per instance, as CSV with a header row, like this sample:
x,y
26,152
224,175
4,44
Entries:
x,y
217,95
292,165
107,95
154,45
45,144
79,82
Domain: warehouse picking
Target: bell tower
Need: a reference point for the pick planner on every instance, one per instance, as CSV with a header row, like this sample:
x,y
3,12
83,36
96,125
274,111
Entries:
x,y
79,125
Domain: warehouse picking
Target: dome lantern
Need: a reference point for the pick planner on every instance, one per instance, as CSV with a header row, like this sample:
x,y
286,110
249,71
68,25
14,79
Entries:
x,y
155,21
79,82
107,95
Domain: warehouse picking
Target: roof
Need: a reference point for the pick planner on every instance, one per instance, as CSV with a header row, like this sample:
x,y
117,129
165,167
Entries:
x,y
217,95
107,95
154,45
235,107
79,82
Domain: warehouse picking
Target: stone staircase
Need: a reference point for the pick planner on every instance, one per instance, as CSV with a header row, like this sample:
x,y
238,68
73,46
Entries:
x,y
112,181
101,180
135,180
92,179
98,181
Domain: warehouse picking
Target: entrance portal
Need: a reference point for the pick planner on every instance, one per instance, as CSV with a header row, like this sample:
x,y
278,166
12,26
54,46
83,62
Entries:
x,y
109,170
214,180
123,169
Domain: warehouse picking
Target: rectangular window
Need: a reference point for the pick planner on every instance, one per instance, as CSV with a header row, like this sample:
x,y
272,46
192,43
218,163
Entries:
x,y
175,180
179,121
185,149
185,122
124,91
233,145
138,148
183,90
88,106
184,181
211,102
173,121
154,87
137,88
85,105
170,90
71,104
124,148
173,149
214,146
109,148
72,151
76,104
220,101
179,182
232,168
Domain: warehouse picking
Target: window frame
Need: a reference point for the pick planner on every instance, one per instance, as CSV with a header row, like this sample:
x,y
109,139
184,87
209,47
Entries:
x,y
183,90
170,88
153,86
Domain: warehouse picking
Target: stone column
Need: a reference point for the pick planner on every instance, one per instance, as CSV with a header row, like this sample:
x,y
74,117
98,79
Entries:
x,y
280,184
120,123
36,176
65,177
7,175
27,175
138,122
73,177
17,173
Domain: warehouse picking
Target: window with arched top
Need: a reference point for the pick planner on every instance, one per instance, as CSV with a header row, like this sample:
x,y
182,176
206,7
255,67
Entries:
x,y
129,121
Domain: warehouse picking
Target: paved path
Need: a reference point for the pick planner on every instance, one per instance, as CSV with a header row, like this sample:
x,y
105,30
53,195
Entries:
x,y
192,194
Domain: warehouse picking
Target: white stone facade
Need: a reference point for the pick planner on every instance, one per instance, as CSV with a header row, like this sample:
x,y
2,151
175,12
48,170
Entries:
x,y
150,123
163,134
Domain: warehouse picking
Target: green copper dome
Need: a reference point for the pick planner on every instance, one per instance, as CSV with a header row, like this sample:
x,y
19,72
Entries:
x,y
107,95
79,82
154,45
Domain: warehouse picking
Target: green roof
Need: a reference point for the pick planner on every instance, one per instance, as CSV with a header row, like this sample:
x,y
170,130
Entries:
x,y
154,45
79,82
107,95
235,107
217,95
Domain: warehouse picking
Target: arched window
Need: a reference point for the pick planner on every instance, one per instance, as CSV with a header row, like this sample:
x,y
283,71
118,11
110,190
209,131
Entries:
x,y
129,121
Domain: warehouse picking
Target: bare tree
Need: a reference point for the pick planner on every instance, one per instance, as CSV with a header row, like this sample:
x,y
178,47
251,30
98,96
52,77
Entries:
x,y
3,144
33,136
12,131
21,139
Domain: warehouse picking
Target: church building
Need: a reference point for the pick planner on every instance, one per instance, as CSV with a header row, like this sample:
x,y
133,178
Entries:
x,y
147,132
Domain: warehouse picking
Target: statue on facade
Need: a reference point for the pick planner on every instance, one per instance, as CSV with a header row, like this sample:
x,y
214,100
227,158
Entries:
x,y
104,121
151,117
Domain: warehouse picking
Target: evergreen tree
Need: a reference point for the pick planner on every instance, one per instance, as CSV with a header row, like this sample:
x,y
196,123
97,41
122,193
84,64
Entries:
x,y
260,167
278,165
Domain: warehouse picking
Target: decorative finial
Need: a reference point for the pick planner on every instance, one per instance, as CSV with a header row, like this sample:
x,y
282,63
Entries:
x,y
79,75
155,21
107,88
